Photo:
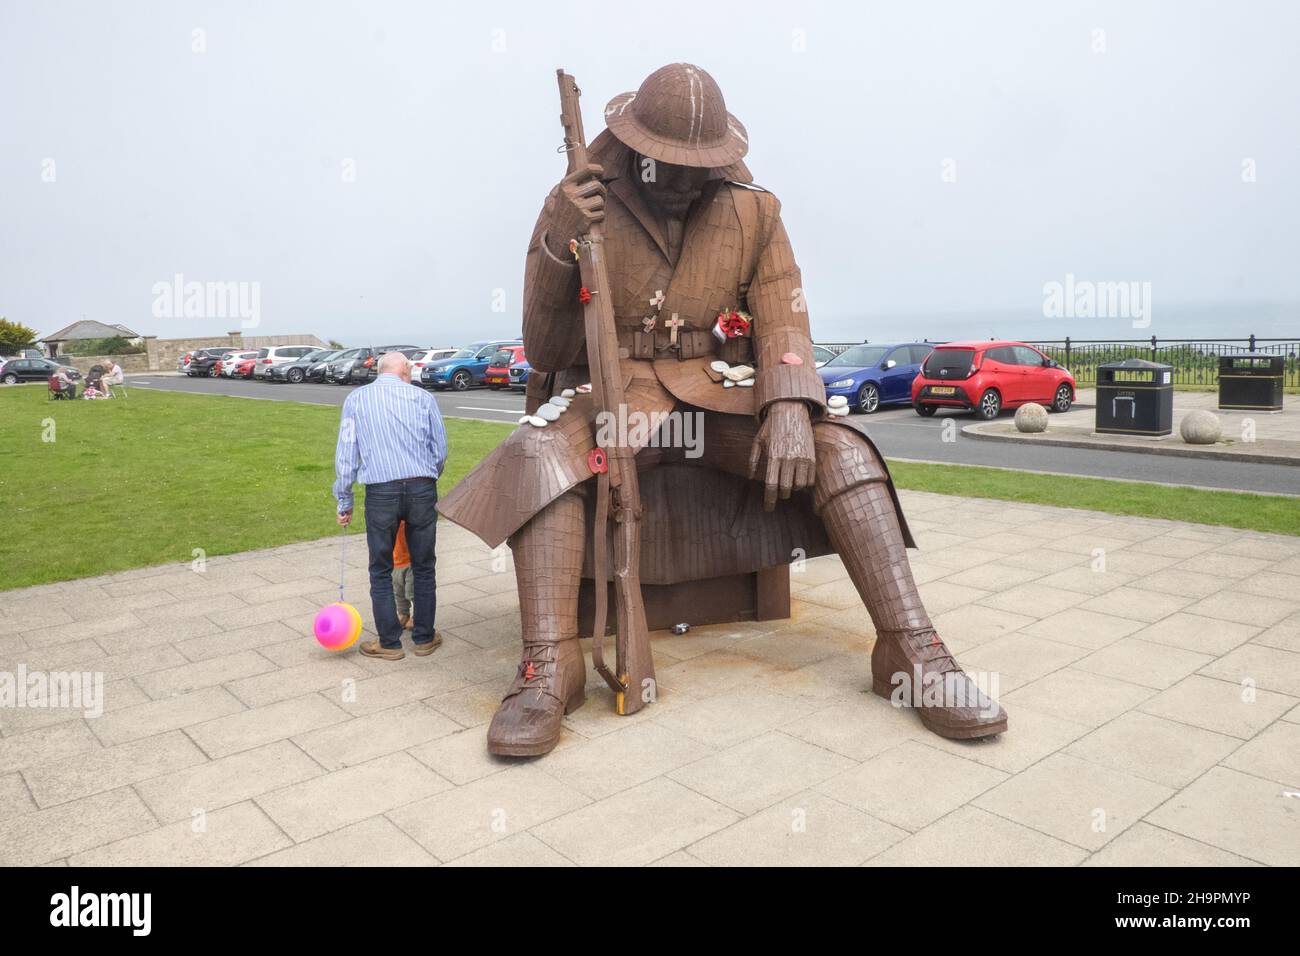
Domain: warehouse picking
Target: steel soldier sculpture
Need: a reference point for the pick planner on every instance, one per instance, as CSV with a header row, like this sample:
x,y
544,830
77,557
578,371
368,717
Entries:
x,y
709,317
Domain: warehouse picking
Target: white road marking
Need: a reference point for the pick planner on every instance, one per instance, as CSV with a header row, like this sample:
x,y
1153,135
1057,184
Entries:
x,y
502,411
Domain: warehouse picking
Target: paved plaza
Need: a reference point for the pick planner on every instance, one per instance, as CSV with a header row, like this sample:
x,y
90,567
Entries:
x,y
1247,435
1151,671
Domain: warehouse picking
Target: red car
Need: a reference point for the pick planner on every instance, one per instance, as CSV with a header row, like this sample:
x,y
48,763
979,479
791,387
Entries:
x,y
240,368
497,374
987,377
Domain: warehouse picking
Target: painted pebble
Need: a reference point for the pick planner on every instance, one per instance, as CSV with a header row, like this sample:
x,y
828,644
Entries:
x,y
568,393
728,383
738,373
789,358
536,421
559,401
839,412
837,401
548,412
747,383
719,366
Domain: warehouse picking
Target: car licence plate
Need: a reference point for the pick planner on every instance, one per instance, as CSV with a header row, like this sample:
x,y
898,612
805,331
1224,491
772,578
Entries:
x,y
942,390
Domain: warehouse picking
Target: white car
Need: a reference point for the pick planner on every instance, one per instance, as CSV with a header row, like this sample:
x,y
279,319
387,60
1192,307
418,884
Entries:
x,y
230,360
278,355
424,356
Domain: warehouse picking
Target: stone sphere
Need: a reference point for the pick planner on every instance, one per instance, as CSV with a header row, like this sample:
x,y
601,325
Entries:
x,y
1031,418
1201,427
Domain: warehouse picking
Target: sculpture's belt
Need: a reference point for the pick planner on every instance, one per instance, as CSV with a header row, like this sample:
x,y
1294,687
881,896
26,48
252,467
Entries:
x,y
691,343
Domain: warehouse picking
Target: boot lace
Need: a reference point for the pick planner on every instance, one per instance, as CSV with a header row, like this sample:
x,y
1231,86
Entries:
x,y
931,649
537,665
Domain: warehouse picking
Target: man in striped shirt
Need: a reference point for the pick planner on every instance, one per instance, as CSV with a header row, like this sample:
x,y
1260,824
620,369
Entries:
x,y
391,439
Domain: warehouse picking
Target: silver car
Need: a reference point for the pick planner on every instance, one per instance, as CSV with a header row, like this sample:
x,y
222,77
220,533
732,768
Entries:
x,y
267,358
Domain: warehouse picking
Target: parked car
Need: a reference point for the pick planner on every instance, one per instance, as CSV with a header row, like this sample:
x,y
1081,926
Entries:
x,y
497,374
519,373
338,368
203,362
821,355
357,366
987,377
274,355
17,370
423,357
309,368
870,376
228,363
466,368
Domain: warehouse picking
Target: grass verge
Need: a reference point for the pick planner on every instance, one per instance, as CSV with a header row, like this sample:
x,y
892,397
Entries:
x,y
1235,509
87,488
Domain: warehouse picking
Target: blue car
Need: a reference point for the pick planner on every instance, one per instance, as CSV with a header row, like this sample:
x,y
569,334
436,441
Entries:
x,y
873,375
466,368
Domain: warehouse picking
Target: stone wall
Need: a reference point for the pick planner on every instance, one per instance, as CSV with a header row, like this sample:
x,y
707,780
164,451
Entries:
x,y
136,362
165,353
263,341
161,355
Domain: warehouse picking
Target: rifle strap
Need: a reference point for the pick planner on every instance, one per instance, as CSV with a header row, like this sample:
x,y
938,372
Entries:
x,y
600,572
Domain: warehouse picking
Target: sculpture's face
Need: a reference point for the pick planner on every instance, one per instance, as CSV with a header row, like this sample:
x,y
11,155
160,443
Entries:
x,y
670,188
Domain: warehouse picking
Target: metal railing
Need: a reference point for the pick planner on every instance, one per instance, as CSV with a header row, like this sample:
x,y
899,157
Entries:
x,y
1195,361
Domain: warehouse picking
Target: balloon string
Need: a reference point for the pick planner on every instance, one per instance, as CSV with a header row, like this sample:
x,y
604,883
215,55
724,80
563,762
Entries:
x,y
342,561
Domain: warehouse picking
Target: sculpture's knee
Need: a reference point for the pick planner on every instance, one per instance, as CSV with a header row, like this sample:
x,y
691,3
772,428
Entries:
x,y
845,460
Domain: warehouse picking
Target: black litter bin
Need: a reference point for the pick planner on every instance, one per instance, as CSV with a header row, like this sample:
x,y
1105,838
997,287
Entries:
x,y
1135,397
1252,382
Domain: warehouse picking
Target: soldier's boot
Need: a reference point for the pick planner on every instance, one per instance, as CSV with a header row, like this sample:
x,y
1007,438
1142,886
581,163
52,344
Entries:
x,y
910,664
552,674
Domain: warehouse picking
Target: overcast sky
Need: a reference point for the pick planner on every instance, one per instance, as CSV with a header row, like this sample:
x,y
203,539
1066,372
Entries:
x,y
376,167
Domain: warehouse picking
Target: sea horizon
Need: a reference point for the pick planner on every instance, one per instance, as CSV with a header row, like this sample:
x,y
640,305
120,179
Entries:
x,y
1233,320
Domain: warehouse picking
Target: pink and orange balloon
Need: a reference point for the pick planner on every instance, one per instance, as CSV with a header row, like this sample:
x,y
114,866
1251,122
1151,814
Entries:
x,y
337,626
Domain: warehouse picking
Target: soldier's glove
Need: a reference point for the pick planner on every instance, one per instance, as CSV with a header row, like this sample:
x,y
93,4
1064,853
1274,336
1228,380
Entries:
x,y
786,439
579,202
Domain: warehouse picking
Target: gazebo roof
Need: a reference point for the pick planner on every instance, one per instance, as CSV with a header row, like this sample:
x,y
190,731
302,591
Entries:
x,y
89,329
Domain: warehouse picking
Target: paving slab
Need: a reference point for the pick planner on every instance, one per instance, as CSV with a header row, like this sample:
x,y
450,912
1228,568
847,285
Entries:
x,y
1154,706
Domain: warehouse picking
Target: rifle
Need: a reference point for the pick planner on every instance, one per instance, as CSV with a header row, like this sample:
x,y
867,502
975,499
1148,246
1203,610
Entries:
x,y
618,495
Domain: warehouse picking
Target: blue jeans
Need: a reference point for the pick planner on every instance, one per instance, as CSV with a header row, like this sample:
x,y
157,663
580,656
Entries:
x,y
413,500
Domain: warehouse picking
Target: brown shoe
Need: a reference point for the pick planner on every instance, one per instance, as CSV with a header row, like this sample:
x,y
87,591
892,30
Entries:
x,y
914,668
428,647
405,621
375,649
550,683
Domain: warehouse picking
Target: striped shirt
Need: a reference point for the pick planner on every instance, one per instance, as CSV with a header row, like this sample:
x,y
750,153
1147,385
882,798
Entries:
x,y
390,429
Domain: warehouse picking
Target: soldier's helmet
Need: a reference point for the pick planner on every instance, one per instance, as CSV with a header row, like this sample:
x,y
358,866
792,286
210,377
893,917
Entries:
x,y
678,116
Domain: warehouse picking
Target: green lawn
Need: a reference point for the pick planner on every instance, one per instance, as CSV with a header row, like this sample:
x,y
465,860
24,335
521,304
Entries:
x,y
1231,508
147,480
